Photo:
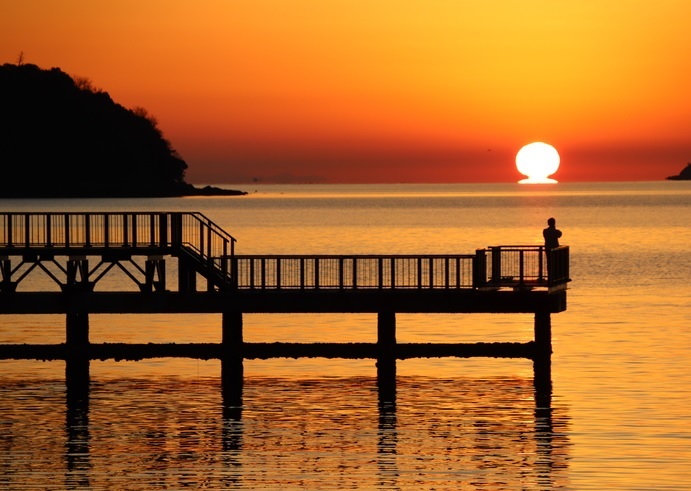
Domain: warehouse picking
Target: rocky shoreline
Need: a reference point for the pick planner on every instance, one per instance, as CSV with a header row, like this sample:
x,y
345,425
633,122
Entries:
x,y
684,175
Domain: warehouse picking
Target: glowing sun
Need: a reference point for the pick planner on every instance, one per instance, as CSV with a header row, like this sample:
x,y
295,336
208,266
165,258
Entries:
x,y
537,161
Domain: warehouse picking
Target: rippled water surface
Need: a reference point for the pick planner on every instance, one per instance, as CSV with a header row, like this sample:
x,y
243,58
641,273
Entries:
x,y
618,415
325,433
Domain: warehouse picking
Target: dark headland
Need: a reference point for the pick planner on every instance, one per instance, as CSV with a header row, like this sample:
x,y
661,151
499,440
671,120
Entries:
x,y
63,138
684,175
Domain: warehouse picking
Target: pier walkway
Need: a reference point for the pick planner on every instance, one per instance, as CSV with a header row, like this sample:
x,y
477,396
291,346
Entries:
x,y
182,262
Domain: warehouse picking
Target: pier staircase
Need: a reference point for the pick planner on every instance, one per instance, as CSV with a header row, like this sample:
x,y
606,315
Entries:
x,y
117,240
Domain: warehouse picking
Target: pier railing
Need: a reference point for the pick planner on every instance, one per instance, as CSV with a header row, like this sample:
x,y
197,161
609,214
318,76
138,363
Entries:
x,y
519,267
129,229
207,249
354,272
523,265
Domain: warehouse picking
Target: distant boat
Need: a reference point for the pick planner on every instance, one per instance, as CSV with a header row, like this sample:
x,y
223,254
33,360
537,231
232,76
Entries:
x,y
684,175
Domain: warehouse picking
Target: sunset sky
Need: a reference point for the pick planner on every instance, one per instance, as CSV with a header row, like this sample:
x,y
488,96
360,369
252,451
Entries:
x,y
383,91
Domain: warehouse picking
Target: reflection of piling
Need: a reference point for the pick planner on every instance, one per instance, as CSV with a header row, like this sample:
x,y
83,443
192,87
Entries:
x,y
232,375
544,431
387,439
77,381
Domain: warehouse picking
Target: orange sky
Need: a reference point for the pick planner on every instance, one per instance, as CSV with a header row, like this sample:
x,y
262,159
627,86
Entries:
x,y
383,91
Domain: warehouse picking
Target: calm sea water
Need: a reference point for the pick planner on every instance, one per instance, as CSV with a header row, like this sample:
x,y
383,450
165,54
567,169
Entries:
x,y
620,411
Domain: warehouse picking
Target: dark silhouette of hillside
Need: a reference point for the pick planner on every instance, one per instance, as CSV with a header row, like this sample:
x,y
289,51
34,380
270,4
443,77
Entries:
x,y
684,175
60,137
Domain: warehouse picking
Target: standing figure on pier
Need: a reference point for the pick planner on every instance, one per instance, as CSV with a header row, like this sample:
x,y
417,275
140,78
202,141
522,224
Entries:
x,y
551,234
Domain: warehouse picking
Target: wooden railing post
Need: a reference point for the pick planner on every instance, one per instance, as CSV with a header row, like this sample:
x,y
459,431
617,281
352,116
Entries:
x,y
540,264
27,230
106,229
125,230
459,281
316,273
209,245
87,231
354,259
67,229
480,268
135,230
234,271
340,272
152,230
10,234
176,229
224,259
496,263
262,272
302,273
419,272
250,273
446,273
380,267
278,273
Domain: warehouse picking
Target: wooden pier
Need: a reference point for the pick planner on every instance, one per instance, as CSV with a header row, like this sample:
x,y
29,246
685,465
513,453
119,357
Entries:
x,y
74,252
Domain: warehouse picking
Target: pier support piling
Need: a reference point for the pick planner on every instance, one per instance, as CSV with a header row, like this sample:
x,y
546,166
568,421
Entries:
x,y
386,357
542,358
232,369
77,361
543,332
77,329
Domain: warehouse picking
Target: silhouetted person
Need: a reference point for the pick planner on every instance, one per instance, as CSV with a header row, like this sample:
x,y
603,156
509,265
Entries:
x,y
551,235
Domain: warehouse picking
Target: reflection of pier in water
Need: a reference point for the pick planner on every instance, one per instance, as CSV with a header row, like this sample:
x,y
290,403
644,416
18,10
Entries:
x,y
502,429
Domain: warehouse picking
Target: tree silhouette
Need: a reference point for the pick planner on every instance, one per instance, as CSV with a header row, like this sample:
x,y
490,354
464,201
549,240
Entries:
x,y
63,137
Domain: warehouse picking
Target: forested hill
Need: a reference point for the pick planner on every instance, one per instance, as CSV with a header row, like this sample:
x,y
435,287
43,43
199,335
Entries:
x,y
62,138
